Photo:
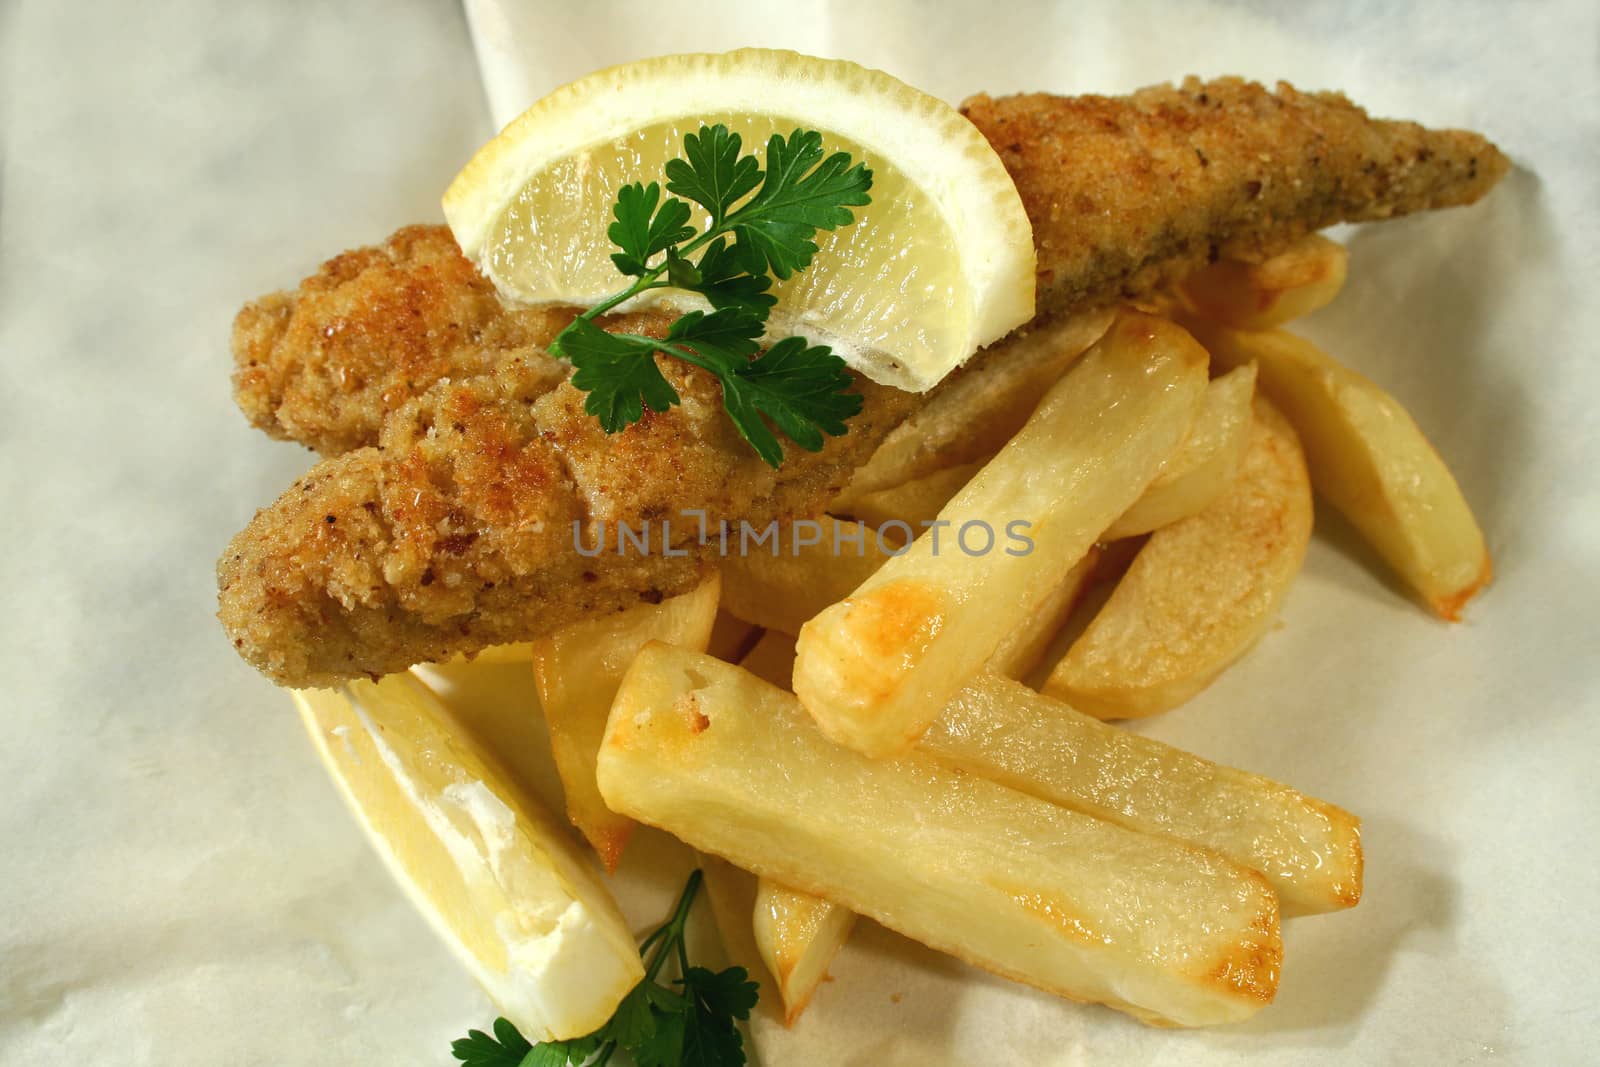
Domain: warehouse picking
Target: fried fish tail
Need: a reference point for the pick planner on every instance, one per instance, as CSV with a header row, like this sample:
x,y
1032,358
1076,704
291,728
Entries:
x,y
1128,194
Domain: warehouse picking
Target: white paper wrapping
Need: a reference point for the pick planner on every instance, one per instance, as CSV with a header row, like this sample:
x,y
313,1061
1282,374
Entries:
x,y
179,884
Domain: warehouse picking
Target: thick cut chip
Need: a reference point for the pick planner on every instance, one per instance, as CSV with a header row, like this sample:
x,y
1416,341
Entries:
x,y
798,934
1200,592
783,589
577,670
1020,651
1000,729
876,668
1259,296
1204,465
1073,904
1369,459
980,407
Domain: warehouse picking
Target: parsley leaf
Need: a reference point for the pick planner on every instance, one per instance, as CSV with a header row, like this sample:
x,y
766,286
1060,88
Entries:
x,y
726,339
561,1053
802,193
720,278
760,225
729,993
657,1026
800,387
712,173
718,998
618,374
478,1049
642,230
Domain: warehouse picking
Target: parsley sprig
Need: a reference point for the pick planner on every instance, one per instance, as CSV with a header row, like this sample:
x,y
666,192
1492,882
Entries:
x,y
761,224
690,1026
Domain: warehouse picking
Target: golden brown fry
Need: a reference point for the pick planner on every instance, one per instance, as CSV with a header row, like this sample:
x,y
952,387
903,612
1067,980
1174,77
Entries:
x,y
577,670
1067,902
1259,296
1020,651
979,406
798,934
1370,460
1200,592
875,668
1308,849
1203,466
782,591
999,729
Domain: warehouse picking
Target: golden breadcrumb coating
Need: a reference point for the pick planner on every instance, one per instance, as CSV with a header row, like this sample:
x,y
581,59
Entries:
x,y
460,457
456,533
376,327
1127,194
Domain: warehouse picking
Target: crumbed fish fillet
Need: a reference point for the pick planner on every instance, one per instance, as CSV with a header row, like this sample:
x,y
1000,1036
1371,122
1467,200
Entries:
x,y
1129,193
460,457
457,531
1125,194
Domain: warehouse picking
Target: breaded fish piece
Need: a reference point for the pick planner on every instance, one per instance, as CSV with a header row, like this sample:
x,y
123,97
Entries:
x,y
446,523
375,328
1128,194
457,532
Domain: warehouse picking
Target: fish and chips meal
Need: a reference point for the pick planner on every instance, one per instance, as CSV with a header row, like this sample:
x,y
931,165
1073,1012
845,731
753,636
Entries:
x,y
841,466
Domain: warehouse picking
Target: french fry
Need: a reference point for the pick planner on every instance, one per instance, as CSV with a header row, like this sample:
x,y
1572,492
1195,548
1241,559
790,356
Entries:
x,y
1200,592
732,895
1259,296
1204,465
772,658
875,668
1020,650
731,636
998,728
516,652
1070,903
1369,459
798,935
980,406
1001,730
782,592
915,502
577,670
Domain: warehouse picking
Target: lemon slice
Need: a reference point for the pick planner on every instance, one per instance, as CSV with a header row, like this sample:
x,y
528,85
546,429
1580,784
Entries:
x,y
939,264
494,874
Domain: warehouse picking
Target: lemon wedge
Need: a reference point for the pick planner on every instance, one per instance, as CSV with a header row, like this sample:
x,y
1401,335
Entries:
x,y
494,874
939,264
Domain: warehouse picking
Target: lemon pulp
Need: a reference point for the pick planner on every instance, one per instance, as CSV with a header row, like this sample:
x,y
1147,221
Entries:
x,y
871,286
